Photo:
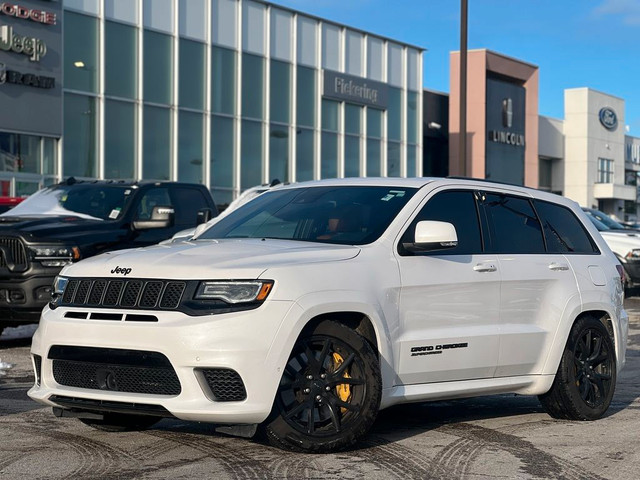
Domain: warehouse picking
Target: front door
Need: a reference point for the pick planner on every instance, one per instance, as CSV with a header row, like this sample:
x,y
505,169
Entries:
x,y
449,299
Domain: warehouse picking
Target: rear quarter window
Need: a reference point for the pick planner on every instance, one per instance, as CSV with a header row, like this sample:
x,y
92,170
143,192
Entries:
x,y
563,231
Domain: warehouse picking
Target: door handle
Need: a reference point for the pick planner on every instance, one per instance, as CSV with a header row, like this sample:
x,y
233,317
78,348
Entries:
x,y
485,267
556,267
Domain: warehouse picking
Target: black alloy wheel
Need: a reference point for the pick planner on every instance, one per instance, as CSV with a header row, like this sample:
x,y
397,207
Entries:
x,y
585,382
329,393
593,366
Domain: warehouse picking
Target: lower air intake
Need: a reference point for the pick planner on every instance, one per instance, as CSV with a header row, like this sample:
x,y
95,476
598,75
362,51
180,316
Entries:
x,y
225,384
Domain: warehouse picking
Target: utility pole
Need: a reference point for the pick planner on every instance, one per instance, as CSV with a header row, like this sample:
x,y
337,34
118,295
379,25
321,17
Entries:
x,y
463,88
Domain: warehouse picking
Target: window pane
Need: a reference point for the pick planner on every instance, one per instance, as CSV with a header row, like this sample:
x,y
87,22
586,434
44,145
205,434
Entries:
x,y
411,161
187,202
304,155
513,225
223,80
330,47
412,117
280,103
49,156
28,154
281,34
352,116
251,153
122,10
222,197
223,20
190,139
80,148
563,231
306,103
80,52
90,6
374,58
393,159
191,74
252,86
156,143
153,197
253,15
119,141
351,156
279,153
354,53
192,20
222,142
158,14
412,69
457,208
374,123
307,41
121,47
329,162
394,64
330,115
374,157
394,114
158,67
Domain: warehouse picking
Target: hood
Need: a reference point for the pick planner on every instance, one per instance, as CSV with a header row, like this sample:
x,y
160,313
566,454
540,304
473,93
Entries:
x,y
621,242
209,259
49,227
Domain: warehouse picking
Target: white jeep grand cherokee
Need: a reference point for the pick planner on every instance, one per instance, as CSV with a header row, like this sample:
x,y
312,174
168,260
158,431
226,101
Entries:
x,y
314,306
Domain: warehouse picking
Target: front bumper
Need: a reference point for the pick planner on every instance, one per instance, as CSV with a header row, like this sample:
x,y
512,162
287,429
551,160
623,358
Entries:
x,y
22,300
246,342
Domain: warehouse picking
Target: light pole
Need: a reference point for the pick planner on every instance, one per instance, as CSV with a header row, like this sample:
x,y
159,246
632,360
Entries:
x,y
463,88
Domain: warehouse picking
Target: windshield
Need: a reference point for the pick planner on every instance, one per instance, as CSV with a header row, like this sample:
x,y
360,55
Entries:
x,y
602,218
599,225
339,215
91,201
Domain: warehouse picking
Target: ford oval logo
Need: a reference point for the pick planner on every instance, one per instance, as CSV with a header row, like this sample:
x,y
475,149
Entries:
x,y
608,118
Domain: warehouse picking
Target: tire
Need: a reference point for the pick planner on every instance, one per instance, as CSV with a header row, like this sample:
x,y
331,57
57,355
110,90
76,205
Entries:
x,y
121,422
329,394
586,378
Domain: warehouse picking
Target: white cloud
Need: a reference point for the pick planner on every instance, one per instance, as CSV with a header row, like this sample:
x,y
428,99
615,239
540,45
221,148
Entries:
x,y
628,10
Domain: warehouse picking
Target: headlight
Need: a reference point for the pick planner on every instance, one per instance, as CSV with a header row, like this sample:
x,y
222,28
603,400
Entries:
x,y
59,284
55,255
633,254
234,291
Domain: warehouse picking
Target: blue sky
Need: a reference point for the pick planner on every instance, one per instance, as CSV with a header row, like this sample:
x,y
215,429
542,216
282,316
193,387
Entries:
x,y
575,43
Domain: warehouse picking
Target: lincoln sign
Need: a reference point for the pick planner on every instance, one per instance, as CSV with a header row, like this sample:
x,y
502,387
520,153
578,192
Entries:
x,y
354,89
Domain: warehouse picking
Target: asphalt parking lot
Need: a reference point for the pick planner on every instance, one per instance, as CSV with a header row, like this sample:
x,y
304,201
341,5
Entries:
x,y
499,436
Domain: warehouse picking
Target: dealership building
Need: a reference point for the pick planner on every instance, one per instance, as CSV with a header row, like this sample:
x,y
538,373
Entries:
x,y
229,93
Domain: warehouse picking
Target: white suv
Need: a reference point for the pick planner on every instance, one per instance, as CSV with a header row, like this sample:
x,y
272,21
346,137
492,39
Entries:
x,y
314,306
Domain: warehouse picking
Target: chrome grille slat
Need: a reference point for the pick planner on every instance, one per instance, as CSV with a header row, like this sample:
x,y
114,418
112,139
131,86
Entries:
x,y
17,249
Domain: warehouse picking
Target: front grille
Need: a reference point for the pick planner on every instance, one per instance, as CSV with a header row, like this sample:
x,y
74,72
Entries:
x,y
134,293
115,370
225,384
18,254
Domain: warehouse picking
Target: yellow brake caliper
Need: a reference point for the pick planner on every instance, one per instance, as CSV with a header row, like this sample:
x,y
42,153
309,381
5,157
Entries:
x,y
343,390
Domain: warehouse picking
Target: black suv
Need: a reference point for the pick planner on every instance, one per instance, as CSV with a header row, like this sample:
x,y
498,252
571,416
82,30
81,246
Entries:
x,y
74,220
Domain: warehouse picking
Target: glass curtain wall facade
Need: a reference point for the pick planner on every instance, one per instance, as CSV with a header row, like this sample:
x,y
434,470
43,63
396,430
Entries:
x,y
229,93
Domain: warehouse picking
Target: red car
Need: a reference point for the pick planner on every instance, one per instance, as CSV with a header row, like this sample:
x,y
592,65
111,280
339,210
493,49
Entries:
x,y
7,203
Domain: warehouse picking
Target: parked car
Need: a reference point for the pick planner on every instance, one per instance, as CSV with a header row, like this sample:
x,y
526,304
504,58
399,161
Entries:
x,y
7,203
73,220
625,244
605,219
307,310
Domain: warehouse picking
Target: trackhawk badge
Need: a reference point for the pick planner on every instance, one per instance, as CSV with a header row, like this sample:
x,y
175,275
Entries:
x,y
121,270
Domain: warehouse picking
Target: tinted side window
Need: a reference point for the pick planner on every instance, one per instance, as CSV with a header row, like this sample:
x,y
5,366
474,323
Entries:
x,y
513,225
187,202
457,208
152,198
563,231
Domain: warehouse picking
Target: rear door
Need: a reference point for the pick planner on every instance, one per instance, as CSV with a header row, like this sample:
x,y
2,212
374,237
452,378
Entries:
x,y
536,283
449,299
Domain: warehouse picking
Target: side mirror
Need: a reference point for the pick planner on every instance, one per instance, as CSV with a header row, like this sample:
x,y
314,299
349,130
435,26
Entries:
x,y
161,217
204,215
431,235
